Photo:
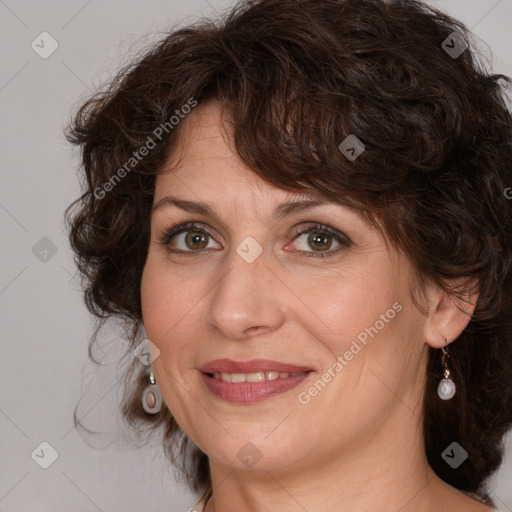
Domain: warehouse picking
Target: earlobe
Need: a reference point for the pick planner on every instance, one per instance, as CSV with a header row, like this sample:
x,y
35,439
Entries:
x,y
448,316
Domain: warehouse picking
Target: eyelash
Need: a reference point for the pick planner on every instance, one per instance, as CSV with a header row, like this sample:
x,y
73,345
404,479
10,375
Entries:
x,y
343,240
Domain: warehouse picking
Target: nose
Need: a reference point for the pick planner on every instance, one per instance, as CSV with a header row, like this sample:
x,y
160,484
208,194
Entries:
x,y
247,299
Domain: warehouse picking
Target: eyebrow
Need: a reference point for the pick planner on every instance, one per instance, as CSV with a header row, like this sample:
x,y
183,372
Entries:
x,y
207,209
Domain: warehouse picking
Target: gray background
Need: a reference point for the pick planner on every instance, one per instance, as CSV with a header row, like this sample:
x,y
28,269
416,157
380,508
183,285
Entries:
x,y
45,327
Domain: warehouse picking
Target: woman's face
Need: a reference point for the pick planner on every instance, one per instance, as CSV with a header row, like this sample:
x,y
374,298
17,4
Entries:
x,y
247,283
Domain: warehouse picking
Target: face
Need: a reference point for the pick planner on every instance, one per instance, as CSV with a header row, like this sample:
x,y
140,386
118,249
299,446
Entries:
x,y
232,273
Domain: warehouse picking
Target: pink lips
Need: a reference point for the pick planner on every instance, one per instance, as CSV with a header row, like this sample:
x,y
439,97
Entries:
x,y
250,392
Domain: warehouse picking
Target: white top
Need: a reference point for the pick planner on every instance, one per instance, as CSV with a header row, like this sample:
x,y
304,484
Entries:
x,y
198,507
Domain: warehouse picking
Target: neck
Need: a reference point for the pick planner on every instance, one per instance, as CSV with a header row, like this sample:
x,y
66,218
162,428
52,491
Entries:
x,y
387,471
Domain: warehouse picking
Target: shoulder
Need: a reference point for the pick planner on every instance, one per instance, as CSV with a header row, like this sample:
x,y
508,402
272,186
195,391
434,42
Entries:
x,y
468,503
451,499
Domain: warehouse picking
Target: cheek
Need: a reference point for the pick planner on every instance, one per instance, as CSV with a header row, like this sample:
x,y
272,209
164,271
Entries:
x,y
169,320
159,300
343,305
362,322
173,313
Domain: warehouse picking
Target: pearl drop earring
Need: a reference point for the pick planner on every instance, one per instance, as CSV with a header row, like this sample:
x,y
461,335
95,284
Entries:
x,y
446,388
151,397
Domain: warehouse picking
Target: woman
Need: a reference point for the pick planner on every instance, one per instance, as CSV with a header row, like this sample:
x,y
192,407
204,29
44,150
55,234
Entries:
x,y
304,206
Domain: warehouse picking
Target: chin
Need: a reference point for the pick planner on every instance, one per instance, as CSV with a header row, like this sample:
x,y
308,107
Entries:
x,y
259,448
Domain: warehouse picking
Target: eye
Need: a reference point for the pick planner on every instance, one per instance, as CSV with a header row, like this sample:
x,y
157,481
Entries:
x,y
187,238
320,238
192,238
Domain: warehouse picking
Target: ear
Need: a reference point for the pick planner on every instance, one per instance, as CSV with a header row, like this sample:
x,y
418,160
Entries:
x,y
448,315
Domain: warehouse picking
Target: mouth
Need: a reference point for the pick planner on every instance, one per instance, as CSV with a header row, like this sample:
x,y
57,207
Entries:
x,y
267,379
253,377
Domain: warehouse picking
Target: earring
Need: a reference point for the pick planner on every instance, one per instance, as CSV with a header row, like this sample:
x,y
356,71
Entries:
x,y
151,397
446,388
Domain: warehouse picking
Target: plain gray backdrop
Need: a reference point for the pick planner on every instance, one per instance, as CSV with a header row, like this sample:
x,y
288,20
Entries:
x,y
45,368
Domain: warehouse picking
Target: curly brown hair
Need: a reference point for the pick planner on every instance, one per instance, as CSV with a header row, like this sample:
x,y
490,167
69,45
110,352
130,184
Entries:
x,y
299,76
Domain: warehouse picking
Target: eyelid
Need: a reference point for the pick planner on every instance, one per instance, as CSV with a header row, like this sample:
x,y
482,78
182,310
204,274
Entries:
x,y
170,233
320,227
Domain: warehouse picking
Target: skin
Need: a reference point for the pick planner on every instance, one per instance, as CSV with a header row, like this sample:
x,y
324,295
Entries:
x,y
357,444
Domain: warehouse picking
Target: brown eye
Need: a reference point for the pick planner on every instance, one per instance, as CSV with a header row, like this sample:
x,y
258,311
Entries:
x,y
196,239
320,241
188,238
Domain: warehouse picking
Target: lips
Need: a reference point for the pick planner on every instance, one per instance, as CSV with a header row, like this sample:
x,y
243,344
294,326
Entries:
x,y
252,366
218,378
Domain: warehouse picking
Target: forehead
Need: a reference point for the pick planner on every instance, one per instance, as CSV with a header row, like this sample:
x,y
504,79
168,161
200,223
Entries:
x,y
203,157
205,133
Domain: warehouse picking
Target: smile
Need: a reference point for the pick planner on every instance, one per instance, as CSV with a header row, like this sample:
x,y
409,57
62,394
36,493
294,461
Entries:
x,y
253,377
241,389
251,381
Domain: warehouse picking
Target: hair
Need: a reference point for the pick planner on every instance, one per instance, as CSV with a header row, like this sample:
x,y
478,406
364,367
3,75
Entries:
x,y
298,77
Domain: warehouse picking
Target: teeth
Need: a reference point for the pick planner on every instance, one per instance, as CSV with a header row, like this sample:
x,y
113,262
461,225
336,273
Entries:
x,y
254,377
